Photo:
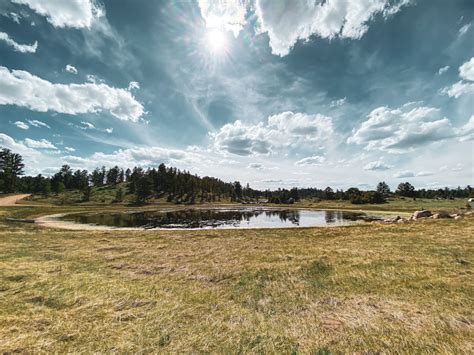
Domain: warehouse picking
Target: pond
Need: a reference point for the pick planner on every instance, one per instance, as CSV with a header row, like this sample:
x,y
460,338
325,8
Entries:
x,y
198,218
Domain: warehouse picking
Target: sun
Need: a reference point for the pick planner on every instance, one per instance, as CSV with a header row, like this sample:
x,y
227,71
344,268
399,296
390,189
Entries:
x,y
217,41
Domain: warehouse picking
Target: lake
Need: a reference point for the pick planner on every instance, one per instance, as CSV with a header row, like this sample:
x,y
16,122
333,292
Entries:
x,y
213,218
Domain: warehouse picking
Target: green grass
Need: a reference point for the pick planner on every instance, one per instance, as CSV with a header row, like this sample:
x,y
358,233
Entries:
x,y
99,195
393,204
367,288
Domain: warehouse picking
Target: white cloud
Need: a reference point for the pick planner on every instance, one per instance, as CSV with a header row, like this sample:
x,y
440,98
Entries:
x,y
337,103
86,125
257,166
284,130
228,15
409,174
23,48
314,160
38,124
464,29
140,156
109,130
41,144
18,87
21,125
462,87
466,71
377,166
443,70
13,16
71,69
70,149
424,173
32,157
70,13
133,85
458,89
402,129
287,21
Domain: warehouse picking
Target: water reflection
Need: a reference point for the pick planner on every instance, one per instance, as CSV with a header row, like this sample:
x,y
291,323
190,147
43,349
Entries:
x,y
219,218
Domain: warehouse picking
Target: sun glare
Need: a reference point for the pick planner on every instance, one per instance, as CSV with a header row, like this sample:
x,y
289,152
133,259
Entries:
x,y
216,41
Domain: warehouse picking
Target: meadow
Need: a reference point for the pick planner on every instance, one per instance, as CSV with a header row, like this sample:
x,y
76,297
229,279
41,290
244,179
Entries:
x,y
372,287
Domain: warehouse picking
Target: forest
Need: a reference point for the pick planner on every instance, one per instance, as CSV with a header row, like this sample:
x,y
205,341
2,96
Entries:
x,y
180,186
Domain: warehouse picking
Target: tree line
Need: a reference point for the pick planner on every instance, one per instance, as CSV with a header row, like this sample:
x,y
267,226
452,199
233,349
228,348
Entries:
x,y
183,187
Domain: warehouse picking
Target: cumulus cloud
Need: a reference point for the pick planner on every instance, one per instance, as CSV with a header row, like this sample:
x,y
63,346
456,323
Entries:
x,y
409,174
459,89
402,129
41,144
464,86
228,15
70,13
133,85
288,21
70,149
466,71
29,154
71,69
284,130
22,48
38,124
314,160
140,156
18,87
377,166
443,70
21,125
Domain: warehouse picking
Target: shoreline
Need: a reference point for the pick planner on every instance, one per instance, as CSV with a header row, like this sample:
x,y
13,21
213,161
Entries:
x,y
54,221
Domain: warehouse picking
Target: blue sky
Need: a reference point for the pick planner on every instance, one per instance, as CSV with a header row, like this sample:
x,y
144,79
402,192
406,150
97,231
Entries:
x,y
273,93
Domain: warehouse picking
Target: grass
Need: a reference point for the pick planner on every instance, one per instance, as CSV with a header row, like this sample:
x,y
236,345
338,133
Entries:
x,y
366,288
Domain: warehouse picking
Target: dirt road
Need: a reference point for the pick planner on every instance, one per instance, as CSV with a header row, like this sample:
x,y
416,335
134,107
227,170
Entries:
x,y
12,199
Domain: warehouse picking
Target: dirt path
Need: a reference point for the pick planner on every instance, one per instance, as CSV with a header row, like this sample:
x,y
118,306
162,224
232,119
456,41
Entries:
x,y
11,200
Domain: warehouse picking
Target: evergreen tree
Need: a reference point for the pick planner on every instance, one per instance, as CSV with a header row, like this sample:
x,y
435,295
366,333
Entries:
x,y
11,167
383,188
406,189
143,189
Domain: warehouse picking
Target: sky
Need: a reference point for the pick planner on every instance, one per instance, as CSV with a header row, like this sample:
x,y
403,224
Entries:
x,y
274,93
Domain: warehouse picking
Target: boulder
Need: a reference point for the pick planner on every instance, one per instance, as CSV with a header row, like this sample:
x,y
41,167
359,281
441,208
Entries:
x,y
402,220
392,219
421,214
458,217
441,214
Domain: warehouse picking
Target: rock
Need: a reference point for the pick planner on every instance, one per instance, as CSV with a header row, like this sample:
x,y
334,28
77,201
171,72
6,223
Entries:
x,y
458,217
441,214
392,219
421,214
402,220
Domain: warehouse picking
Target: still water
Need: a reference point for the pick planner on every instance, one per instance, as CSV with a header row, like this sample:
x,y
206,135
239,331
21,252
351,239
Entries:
x,y
219,218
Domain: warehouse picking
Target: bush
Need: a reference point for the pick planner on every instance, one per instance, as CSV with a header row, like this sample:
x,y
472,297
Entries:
x,y
367,197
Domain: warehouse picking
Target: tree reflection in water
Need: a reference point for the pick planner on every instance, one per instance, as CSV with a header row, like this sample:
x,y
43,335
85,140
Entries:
x,y
218,218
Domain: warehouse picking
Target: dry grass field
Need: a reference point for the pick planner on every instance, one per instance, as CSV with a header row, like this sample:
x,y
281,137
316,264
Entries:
x,y
369,288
